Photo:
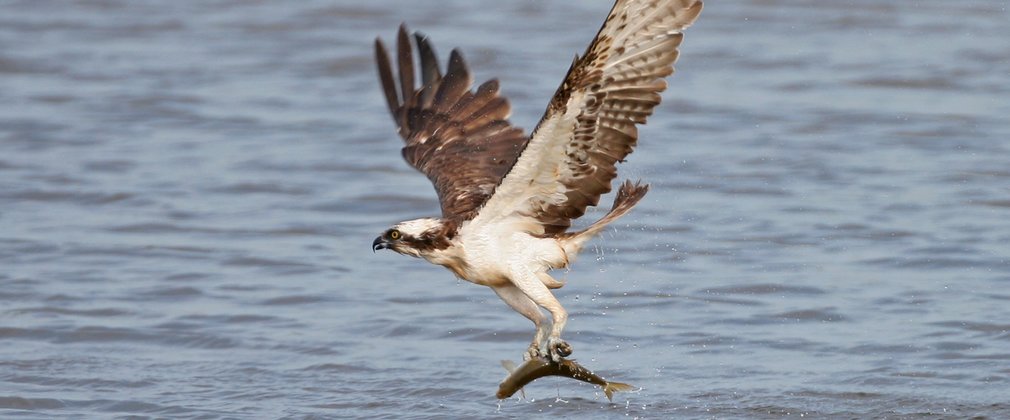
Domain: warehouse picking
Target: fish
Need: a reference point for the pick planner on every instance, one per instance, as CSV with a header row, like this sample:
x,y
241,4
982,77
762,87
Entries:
x,y
541,366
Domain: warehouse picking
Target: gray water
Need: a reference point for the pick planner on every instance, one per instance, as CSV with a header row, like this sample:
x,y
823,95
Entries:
x,y
189,191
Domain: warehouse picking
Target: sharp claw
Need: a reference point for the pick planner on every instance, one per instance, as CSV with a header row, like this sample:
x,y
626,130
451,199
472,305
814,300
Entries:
x,y
559,349
564,349
533,352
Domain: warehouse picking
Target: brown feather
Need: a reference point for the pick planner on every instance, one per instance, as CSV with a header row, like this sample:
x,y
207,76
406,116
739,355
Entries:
x,y
456,81
463,142
460,139
405,60
431,75
386,78
612,87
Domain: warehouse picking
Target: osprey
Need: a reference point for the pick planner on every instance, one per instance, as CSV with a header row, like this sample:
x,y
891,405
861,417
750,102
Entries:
x,y
508,199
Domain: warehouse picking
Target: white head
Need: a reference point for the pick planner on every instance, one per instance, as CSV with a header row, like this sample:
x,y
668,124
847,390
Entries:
x,y
417,237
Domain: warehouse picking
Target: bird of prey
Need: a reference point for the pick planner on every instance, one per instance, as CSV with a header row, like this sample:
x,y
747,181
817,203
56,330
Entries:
x,y
508,199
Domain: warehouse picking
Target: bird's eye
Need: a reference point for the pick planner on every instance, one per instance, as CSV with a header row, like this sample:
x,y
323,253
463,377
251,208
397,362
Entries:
x,y
394,234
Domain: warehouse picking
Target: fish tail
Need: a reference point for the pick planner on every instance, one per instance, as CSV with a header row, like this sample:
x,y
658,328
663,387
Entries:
x,y
611,387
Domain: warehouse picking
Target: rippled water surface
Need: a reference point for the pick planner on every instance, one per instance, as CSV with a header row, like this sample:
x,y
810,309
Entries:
x,y
188,192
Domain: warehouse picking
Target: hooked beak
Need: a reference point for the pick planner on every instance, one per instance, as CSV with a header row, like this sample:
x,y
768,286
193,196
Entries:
x,y
379,243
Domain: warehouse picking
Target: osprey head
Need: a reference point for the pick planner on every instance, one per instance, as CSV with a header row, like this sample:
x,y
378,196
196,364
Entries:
x,y
418,237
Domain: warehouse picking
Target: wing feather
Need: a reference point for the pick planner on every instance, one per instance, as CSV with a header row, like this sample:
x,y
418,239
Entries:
x,y
460,139
405,58
430,72
590,123
456,82
386,79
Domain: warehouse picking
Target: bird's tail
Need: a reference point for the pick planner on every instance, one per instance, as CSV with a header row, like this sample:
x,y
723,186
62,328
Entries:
x,y
627,196
613,387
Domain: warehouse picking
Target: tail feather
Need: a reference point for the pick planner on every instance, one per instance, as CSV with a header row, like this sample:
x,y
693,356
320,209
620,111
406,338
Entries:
x,y
613,387
627,196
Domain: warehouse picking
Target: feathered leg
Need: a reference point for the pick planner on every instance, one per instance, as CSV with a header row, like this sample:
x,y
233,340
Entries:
x,y
522,304
534,288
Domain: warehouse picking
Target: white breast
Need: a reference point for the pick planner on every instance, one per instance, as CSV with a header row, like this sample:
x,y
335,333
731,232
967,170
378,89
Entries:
x,y
491,250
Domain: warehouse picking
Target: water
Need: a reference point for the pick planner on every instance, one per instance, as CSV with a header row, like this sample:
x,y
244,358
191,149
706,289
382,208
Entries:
x,y
189,191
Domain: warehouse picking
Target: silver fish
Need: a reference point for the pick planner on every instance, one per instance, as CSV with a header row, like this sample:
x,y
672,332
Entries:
x,y
539,367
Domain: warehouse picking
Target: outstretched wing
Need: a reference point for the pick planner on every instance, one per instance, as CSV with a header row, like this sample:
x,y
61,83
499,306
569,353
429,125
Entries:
x,y
459,138
589,125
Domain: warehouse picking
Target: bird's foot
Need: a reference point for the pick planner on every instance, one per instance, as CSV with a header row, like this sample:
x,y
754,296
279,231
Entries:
x,y
558,348
533,352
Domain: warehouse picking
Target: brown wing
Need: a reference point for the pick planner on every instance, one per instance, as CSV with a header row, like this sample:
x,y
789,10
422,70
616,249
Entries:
x,y
459,138
590,123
